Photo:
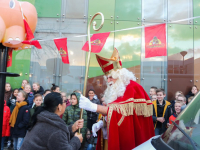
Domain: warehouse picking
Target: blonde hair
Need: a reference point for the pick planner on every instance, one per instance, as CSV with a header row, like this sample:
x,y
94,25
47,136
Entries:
x,y
178,102
181,95
24,94
36,83
27,85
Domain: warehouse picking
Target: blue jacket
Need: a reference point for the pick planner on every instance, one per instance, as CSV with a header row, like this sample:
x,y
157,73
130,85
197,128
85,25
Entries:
x,y
22,121
30,99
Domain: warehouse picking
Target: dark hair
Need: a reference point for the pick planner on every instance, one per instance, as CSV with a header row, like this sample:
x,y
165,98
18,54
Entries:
x,y
91,90
13,96
51,101
195,86
47,90
160,90
53,88
154,87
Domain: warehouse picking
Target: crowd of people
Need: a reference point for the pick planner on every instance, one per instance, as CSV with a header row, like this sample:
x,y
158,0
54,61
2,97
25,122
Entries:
x,y
164,112
22,103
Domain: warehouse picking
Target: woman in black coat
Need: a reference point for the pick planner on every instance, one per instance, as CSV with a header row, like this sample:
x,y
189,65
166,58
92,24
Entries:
x,y
48,131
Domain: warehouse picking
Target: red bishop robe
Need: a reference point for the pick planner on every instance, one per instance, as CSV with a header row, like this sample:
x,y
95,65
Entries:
x,y
129,119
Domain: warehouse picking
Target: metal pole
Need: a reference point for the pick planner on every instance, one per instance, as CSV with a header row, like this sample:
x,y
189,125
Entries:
x,y
3,68
88,60
3,74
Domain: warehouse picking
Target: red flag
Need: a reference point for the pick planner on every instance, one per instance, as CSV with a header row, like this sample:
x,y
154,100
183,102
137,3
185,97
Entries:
x,y
155,41
34,42
97,42
9,58
61,44
29,33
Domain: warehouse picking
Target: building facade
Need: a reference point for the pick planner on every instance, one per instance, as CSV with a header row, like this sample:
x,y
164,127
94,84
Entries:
x,y
179,70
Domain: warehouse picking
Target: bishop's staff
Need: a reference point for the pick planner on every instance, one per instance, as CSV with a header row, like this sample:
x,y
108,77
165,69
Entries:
x,y
88,59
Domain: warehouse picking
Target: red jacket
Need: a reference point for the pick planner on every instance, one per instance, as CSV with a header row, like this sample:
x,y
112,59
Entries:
x,y
6,118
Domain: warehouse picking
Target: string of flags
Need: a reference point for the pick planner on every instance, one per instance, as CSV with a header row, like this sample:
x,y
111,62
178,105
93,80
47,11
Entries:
x,y
155,41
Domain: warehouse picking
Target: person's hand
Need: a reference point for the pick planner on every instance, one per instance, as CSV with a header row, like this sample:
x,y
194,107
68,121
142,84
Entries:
x,y
161,119
86,104
78,124
168,124
104,104
79,136
96,127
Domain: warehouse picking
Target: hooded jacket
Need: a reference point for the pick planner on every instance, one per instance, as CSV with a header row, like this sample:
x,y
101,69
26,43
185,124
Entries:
x,y
50,133
40,91
72,114
30,99
6,118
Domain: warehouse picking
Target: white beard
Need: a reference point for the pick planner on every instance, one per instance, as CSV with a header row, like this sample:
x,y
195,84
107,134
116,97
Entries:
x,y
118,88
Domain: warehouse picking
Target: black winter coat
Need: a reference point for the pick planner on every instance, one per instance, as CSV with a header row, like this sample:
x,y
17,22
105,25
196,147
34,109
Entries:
x,y
21,124
40,91
167,114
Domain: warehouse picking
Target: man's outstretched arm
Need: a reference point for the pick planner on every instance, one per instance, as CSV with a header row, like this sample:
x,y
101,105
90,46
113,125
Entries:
x,y
102,109
86,104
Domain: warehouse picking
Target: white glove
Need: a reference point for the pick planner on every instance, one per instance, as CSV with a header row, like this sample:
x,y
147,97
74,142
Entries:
x,y
86,104
96,127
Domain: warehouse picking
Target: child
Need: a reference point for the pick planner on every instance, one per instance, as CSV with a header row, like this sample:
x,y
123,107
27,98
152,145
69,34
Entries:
x,y
37,101
8,92
161,112
27,89
89,142
47,91
11,102
153,98
173,101
177,107
152,91
5,125
64,96
19,119
182,98
24,82
37,89
190,99
72,114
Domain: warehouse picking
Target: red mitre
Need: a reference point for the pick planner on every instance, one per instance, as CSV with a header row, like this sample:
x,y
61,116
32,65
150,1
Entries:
x,y
107,65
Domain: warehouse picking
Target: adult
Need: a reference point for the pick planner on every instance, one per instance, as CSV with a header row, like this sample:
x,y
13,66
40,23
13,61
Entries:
x,y
48,131
19,119
129,109
37,89
27,89
24,82
92,117
55,88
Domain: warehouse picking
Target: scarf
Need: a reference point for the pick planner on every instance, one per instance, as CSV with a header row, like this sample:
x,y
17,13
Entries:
x,y
14,114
